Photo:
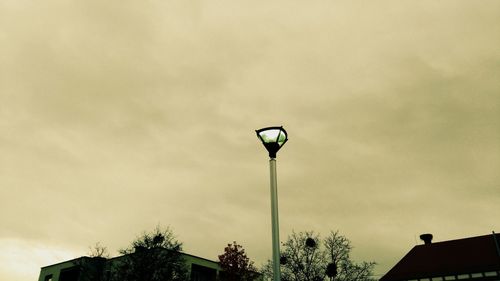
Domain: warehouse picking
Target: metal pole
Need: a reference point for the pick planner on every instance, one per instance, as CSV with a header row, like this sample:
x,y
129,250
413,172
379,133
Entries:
x,y
275,221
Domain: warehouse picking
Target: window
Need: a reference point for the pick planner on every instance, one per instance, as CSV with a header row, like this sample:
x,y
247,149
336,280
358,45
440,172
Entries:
x,y
490,274
202,273
70,274
48,277
476,275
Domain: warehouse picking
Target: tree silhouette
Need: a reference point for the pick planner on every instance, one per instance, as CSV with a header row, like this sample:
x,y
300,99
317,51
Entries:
x,y
98,251
236,265
93,267
306,257
154,256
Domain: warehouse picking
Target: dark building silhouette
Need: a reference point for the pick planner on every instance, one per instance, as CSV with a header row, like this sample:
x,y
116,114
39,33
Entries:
x,y
473,258
92,269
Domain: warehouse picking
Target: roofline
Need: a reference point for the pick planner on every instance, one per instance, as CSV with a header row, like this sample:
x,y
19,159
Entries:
x,y
459,239
440,242
199,257
116,257
82,257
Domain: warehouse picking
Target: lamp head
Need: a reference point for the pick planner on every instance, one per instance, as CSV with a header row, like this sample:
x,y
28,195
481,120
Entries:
x,y
273,138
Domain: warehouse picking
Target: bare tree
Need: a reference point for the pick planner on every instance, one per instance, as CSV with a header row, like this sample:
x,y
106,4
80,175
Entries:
x,y
338,249
92,267
304,260
306,257
98,251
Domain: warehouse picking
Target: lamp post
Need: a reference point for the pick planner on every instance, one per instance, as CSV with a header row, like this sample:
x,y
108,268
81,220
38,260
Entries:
x,y
273,138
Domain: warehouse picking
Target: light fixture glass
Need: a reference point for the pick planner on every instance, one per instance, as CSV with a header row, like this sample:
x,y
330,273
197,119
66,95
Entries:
x,y
273,139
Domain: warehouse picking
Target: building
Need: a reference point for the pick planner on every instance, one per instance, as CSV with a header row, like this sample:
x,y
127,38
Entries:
x,y
86,268
472,258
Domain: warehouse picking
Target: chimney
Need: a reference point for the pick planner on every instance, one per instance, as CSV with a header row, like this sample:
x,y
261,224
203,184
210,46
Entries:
x,y
427,238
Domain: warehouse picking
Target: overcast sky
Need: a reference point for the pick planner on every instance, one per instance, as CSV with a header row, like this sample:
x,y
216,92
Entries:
x,y
117,116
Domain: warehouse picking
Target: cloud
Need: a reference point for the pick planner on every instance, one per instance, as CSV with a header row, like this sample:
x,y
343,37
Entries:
x,y
15,263
117,116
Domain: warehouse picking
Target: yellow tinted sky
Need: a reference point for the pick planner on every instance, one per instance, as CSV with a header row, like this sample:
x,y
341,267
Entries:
x,y
116,116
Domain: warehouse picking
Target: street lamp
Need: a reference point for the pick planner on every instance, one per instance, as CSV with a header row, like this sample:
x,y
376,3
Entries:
x,y
273,138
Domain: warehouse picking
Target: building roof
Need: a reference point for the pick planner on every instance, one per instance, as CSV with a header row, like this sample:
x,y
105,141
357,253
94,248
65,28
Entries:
x,y
121,256
454,257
